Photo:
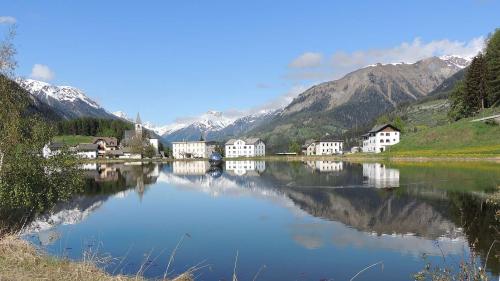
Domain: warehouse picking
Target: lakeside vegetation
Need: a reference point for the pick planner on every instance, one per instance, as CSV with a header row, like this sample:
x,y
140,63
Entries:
x,y
19,260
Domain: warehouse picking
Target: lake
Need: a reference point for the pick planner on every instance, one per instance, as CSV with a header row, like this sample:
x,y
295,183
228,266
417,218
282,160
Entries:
x,y
317,220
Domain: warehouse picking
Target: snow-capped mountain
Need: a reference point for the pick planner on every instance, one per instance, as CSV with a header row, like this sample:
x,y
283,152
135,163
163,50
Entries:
x,y
453,61
214,125
193,128
122,115
67,101
457,61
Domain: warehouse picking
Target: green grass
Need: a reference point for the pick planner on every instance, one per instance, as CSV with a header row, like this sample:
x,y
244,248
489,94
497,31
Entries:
x,y
73,140
462,138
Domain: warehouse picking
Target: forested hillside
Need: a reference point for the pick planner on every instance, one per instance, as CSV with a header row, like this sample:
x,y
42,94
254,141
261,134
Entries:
x,y
94,127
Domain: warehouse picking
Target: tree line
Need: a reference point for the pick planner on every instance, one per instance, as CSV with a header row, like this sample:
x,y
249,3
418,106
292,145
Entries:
x,y
480,88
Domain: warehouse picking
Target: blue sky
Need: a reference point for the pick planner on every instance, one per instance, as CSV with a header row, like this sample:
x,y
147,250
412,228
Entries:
x,y
171,59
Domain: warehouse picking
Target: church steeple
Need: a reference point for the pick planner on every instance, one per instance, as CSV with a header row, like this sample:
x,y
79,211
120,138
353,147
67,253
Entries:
x,y
138,119
138,126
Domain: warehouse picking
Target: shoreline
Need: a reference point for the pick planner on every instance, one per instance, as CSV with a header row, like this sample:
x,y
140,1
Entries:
x,y
21,260
289,158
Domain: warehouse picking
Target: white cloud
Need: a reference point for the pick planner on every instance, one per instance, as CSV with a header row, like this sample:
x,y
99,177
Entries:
x,y
342,63
42,72
7,20
307,60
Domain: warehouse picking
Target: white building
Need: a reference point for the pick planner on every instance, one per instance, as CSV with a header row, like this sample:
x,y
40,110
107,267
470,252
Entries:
x,y
326,146
52,149
155,143
105,144
251,147
380,137
192,149
379,176
241,168
87,150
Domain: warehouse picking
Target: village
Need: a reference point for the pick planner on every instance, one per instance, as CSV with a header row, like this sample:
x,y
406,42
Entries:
x,y
377,140
135,142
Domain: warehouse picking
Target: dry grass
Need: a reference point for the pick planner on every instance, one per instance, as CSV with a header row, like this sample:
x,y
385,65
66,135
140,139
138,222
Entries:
x,y
19,260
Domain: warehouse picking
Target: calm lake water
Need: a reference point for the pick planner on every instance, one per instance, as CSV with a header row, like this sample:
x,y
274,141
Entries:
x,y
317,220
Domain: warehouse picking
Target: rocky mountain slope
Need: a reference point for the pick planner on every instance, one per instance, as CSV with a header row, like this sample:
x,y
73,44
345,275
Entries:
x,y
68,102
357,99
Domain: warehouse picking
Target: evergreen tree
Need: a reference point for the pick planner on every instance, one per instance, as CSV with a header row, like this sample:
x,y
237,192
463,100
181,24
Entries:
x,y
475,86
294,147
492,57
471,95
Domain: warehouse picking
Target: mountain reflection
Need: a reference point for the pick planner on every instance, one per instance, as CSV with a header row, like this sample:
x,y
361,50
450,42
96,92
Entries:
x,y
379,211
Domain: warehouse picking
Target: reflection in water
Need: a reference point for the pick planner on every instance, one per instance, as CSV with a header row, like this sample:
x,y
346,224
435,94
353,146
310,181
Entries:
x,y
246,167
379,176
190,167
326,166
340,207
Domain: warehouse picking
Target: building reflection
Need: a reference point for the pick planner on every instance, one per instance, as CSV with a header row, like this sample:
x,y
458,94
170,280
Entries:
x,y
326,166
246,167
379,176
190,168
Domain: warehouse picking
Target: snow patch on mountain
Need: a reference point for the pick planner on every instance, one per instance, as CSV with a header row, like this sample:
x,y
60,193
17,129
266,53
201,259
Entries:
x,y
122,115
45,91
457,61
452,60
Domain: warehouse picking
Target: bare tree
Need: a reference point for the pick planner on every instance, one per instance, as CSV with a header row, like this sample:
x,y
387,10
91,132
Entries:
x,y
7,66
7,52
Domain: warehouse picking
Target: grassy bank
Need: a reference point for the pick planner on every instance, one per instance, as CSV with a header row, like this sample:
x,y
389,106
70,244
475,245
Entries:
x,y
458,139
19,260
72,140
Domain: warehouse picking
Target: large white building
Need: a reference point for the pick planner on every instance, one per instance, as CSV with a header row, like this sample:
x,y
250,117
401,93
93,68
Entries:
x,y
245,148
192,149
380,137
326,146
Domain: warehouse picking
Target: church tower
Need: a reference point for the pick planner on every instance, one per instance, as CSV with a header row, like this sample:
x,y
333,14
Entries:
x,y
138,126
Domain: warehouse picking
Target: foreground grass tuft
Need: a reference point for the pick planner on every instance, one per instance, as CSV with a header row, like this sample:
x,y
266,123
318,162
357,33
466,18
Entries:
x,y
19,260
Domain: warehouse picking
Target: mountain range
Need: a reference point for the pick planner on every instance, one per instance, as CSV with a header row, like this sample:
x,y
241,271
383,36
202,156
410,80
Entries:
x,y
356,99
329,107
67,101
